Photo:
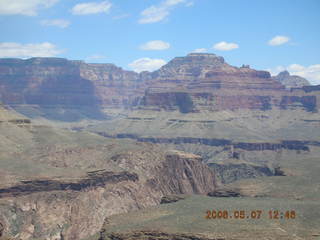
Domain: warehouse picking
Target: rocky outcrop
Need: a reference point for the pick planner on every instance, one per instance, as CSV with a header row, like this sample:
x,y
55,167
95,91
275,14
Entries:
x,y
223,192
171,198
94,179
185,174
76,208
291,81
227,173
169,101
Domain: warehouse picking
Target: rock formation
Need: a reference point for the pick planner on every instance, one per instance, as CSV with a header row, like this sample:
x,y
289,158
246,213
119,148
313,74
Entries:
x,y
171,198
214,85
61,184
57,83
57,188
291,81
204,81
224,193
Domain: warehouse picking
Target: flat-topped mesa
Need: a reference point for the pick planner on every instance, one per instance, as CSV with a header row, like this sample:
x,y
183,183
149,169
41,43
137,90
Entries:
x,y
202,59
211,83
192,66
207,71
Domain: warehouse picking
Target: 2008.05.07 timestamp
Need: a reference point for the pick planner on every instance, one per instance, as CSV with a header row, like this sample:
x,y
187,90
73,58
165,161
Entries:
x,y
253,214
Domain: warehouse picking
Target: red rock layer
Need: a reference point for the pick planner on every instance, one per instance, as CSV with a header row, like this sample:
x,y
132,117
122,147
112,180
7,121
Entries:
x,y
211,84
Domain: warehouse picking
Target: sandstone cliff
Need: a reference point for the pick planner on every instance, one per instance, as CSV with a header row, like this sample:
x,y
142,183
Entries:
x,y
214,85
205,79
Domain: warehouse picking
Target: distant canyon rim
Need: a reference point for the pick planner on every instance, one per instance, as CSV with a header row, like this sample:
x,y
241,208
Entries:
x,y
81,142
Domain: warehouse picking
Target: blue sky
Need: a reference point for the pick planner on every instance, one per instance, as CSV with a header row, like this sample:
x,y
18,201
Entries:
x,y
145,34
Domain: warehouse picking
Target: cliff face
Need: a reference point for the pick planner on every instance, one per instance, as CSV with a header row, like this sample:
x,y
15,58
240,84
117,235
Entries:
x,y
44,81
212,84
58,81
113,86
184,173
202,71
215,85
209,82
75,209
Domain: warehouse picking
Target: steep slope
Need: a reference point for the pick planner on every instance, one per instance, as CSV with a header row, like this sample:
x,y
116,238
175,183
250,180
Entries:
x,y
64,90
204,70
60,184
213,85
70,90
74,208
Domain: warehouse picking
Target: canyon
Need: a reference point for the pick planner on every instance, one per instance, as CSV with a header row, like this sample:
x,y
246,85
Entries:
x,y
82,142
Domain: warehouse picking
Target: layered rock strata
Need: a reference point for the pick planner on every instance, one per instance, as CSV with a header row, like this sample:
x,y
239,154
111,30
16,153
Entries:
x,y
76,209
195,82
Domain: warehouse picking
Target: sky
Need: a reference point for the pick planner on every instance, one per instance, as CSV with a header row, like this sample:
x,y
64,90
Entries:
x,y
273,35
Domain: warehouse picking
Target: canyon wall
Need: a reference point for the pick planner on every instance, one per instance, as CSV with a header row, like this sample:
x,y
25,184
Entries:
x,y
57,209
209,82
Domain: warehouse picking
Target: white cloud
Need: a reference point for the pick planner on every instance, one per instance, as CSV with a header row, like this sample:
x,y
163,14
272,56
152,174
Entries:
x,y
146,64
24,7
61,23
278,40
155,45
91,8
173,2
311,73
225,46
96,57
200,50
296,67
157,13
11,49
